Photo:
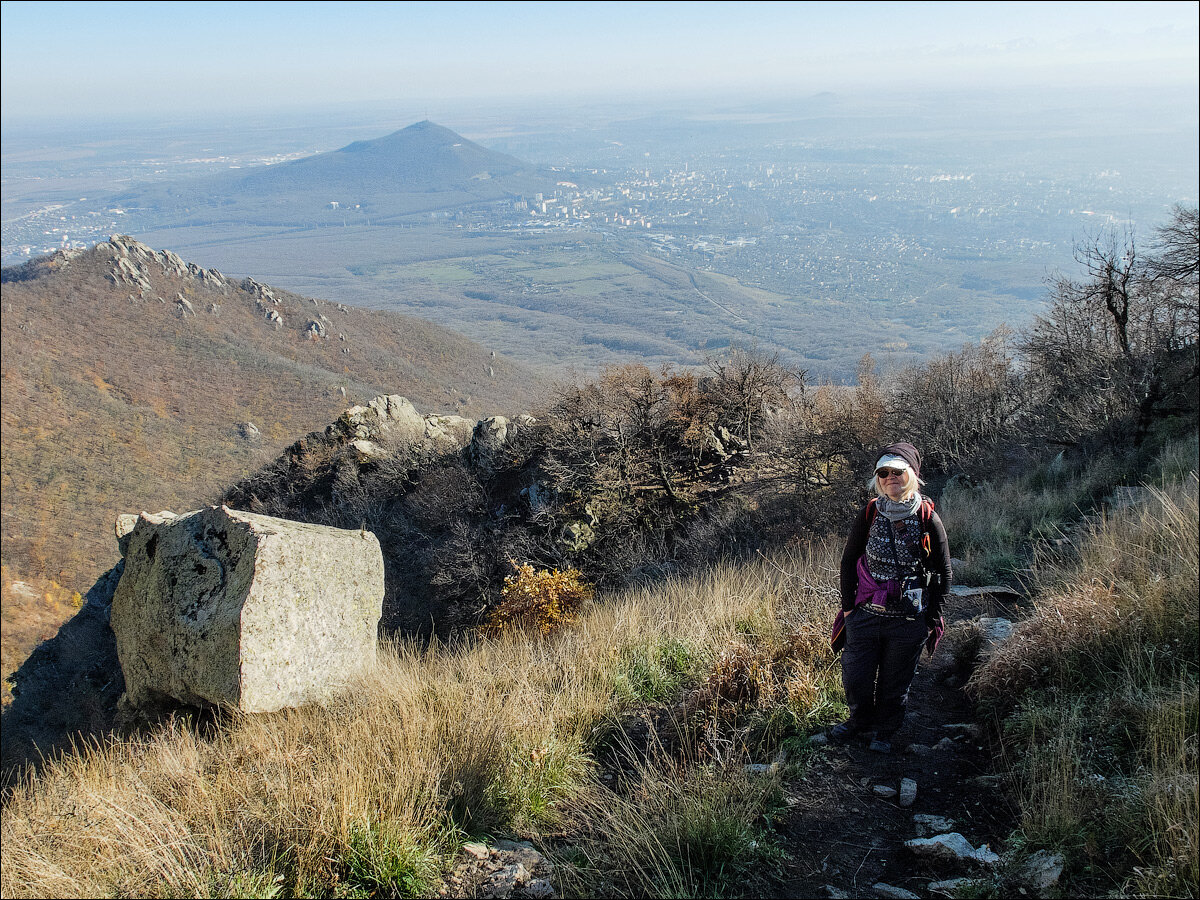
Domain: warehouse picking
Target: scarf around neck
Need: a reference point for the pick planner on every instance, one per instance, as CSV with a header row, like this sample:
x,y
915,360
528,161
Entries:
x,y
894,510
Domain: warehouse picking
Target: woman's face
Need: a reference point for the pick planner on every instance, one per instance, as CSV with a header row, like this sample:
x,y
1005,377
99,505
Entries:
x,y
894,482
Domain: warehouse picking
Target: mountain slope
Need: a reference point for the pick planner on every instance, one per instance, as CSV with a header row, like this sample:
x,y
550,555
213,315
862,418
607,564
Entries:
x,y
419,168
133,380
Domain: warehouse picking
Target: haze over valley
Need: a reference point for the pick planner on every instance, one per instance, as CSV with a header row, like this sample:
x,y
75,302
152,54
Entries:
x,y
583,237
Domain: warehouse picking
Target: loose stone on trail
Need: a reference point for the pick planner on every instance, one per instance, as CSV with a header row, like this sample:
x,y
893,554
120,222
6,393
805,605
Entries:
x,y
952,847
895,893
929,824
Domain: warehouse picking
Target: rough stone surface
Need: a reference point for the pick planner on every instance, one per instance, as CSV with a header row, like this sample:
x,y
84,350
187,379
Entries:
x,y
896,893
884,791
908,792
994,630
489,437
1041,872
479,851
123,528
226,607
451,431
929,824
506,869
989,590
952,847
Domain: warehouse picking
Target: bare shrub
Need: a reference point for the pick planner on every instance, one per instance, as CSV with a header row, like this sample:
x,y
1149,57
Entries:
x,y
960,408
1118,348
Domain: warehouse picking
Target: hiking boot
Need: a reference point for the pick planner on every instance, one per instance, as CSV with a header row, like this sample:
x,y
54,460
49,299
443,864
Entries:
x,y
843,731
882,743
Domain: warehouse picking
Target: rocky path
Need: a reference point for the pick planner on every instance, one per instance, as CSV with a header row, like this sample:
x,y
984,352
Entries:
x,y
849,820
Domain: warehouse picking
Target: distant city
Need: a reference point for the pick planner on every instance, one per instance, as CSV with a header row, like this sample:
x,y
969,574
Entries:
x,y
869,229
792,226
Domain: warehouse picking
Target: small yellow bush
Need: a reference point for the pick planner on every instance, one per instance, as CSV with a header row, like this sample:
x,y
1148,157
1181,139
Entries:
x,y
541,600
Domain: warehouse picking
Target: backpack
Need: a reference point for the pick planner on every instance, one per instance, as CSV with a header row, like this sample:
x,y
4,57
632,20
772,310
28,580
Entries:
x,y
924,514
837,640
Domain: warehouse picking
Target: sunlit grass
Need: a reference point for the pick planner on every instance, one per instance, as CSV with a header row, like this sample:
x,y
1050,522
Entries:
x,y
1098,688
376,791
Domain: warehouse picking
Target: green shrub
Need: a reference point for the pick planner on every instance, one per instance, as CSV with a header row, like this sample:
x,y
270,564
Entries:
x,y
654,672
536,780
681,830
384,859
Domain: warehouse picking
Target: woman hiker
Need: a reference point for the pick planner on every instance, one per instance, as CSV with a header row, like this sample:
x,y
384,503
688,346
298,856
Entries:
x,y
895,573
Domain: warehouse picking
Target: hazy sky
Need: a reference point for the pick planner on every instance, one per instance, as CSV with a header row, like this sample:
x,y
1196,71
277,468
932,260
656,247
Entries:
x,y
78,58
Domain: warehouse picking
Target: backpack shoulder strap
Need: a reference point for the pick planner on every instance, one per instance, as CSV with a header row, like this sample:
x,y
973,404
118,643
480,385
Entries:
x,y
926,516
871,510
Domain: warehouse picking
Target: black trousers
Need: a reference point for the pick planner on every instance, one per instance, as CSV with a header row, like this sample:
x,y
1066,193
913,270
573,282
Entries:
x,y
878,665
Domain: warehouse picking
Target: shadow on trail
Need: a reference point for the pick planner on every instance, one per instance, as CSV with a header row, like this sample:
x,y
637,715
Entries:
x,y
66,692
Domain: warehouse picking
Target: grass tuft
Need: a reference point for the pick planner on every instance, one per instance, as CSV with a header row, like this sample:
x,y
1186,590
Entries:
x,y
368,795
1098,689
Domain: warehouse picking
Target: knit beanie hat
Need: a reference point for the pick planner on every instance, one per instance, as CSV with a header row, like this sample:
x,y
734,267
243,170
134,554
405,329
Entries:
x,y
900,456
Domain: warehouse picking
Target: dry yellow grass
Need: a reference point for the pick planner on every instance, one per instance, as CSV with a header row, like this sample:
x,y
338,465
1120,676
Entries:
x,y
485,735
1099,686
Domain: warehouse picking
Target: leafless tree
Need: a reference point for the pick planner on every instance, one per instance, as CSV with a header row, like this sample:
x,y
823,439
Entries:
x,y
749,383
1118,347
961,407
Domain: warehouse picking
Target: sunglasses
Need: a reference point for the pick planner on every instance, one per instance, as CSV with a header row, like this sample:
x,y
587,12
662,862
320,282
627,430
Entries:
x,y
888,473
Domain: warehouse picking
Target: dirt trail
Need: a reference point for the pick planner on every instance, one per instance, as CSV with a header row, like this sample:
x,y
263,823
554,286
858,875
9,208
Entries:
x,y
841,834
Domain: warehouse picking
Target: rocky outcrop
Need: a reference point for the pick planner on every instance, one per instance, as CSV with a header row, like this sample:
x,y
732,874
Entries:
x,y
135,264
259,291
318,328
490,435
392,420
506,869
221,607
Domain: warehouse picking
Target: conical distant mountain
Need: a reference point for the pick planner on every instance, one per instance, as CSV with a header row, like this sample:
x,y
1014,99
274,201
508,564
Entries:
x,y
423,156
419,168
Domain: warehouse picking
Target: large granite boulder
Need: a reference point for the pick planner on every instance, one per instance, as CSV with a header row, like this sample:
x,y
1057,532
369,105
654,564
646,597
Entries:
x,y
226,607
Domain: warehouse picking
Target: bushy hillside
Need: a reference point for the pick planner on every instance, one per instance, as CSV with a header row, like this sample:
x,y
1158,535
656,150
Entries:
x,y
133,380
619,745
660,736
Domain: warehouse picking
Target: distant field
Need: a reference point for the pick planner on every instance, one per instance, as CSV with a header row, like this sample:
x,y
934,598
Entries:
x,y
577,299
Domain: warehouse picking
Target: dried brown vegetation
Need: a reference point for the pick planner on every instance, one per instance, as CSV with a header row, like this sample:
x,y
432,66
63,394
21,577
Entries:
x,y
1098,687
117,401
639,476
480,737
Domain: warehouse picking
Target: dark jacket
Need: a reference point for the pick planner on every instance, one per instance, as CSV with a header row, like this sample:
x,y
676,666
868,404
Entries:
x,y
938,564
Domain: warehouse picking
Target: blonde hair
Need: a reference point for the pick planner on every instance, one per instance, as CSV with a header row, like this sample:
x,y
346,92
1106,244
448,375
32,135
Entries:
x,y
911,484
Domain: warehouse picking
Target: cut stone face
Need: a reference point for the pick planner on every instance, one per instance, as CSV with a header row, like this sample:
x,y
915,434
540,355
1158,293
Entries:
x,y
233,608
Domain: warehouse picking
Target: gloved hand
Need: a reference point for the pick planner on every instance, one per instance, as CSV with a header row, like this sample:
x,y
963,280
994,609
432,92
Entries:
x,y
937,627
